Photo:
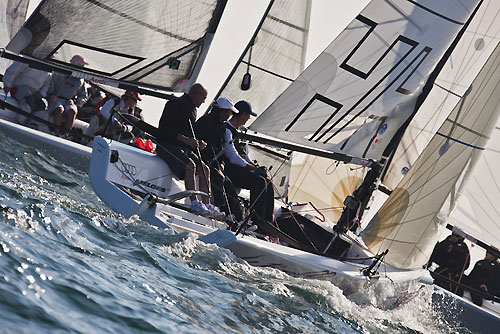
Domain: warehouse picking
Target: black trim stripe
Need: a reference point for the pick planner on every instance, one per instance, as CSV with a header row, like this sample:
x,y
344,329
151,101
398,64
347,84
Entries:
x,y
436,13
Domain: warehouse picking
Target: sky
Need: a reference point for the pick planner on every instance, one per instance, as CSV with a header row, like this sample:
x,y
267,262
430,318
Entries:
x,y
238,23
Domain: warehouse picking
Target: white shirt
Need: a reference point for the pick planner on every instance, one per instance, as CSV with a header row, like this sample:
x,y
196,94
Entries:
x,y
19,74
230,151
108,106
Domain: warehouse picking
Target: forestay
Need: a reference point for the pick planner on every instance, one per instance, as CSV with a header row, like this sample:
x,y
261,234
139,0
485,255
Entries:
x,y
357,93
156,43
474,48
408,221
275,55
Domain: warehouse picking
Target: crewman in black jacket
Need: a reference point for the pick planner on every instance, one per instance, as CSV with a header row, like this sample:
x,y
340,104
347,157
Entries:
x,y
178,146
210,128
452,256
485,277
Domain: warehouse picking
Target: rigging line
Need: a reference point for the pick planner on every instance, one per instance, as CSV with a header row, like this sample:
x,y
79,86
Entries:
x,y
447,90
267,71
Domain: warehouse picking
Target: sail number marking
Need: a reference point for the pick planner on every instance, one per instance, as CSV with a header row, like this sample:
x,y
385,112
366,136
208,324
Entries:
x,y
324,129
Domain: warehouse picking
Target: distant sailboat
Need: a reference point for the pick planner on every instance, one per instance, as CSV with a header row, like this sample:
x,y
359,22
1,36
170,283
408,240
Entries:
x,y
155,48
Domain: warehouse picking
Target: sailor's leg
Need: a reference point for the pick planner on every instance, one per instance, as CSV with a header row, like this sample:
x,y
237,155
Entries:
x,y
58,114
93,125
70,115
204,179
234,201
216,183
189,177
268,216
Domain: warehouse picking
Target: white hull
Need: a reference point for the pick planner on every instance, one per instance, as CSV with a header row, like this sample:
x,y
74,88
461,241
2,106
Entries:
x,y
65,151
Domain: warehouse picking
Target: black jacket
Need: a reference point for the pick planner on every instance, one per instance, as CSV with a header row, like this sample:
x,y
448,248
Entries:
x,y
488,273
175,120
454,257
210,129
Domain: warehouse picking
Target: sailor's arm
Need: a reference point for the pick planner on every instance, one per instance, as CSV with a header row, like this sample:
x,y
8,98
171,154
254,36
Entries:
x,y
11,74
231,153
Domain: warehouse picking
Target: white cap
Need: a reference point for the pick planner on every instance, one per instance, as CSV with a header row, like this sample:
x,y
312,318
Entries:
x,y
225,103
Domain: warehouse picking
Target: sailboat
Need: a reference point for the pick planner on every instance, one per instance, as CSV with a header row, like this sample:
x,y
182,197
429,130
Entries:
x,y
152,48
403,54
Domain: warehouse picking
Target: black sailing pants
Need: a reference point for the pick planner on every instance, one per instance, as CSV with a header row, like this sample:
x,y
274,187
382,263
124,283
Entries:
x,y
261,190
218,182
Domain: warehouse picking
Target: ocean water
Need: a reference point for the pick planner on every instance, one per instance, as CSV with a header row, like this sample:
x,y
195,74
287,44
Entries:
x,y
70,265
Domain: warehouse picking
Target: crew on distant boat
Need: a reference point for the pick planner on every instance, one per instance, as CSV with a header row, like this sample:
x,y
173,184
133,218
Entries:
x,y
66,93
211,129
485,277
178,146
242,171
452,256
125,105
27,85
90,108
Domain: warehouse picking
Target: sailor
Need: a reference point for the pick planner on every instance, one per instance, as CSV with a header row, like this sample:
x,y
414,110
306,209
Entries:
x,y
485,277
179,147
211,129
66,93
125,105
27,85
242,171
452,256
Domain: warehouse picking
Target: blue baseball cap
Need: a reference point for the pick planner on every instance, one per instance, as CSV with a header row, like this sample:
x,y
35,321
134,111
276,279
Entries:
x,y
244,106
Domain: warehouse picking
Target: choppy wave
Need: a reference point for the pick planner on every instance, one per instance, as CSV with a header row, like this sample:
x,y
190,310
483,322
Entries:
x,y
70,265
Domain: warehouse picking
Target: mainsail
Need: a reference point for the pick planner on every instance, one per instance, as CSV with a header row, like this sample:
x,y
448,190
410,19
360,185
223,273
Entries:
x,y
474,48
12,16
274,57
357,93
408,221
156,44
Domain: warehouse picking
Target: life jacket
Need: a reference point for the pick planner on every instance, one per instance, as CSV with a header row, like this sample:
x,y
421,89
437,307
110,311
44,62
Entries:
x,y
146,145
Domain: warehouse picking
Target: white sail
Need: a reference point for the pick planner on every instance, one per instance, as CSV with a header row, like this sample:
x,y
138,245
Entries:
x,y
358,92
274,57
477,211
471,53
12,16
407,222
